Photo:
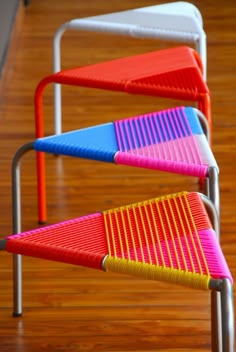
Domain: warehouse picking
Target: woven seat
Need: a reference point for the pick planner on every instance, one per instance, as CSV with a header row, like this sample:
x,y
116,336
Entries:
x,y
172,73
175,73
171,140
172,238
176,21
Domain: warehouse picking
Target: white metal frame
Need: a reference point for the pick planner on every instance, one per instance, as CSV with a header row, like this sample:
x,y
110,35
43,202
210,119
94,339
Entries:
x,y
177,21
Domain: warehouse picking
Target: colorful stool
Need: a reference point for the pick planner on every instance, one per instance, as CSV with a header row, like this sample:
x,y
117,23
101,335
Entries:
x,y
172,239
171,140
172,73
177,21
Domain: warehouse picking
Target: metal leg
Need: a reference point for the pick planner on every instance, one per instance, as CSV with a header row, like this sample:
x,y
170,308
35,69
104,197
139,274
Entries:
x,y
204,182
213,188
222,316
211,183
16,221
216,326
56,68
212,213
204,124
17,285
227,312
216,318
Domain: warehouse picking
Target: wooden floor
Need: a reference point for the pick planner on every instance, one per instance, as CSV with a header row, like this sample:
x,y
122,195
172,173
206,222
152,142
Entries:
x,y
68,308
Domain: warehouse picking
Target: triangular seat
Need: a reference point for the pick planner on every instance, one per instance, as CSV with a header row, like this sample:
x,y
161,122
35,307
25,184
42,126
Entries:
x,y
179,22
96,143
170,140
174,21
172,73
168,238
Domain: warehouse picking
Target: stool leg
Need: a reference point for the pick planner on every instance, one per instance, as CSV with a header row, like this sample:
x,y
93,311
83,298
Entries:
x,y
39,128
204,105
57,68
17,285
213,188
16,221
17,259
222,309
216,336
227,312
41,186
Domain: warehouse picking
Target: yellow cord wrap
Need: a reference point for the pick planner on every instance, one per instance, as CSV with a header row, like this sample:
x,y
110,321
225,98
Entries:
x,y
153,272
160,231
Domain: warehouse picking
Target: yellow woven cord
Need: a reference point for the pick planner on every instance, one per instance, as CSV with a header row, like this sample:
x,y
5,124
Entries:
x,y
165,238
189,218
153,272
119,235
138,236
107,231
145,234
152,236
111,240
178,236
170,231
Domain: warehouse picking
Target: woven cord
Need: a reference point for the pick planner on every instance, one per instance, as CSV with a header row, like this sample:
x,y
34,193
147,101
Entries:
x,y
190,220
161,235
153,272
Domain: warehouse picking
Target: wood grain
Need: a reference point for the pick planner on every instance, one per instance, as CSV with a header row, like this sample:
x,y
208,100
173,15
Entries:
x,y
69,308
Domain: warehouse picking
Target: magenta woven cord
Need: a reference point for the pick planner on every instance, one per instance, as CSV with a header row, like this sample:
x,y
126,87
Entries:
x,y
160,140
215,259
80,241
162,165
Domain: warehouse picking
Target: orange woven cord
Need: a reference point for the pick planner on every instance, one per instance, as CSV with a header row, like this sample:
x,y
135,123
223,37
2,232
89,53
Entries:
x,y
161,232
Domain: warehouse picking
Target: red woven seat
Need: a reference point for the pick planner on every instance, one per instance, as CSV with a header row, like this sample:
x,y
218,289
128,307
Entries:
x,y
170,239
174,73
171,233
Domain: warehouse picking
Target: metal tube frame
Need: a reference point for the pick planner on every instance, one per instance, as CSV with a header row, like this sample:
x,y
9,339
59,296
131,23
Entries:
x,y
222,316
222,307
16,221
199,41
212,185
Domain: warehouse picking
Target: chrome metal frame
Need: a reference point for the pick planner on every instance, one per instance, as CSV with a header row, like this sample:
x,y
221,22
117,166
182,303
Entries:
x,y
16,227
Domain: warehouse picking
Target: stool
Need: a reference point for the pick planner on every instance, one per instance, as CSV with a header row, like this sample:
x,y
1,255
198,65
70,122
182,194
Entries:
x,y
170,140
172,73
172,238
177,21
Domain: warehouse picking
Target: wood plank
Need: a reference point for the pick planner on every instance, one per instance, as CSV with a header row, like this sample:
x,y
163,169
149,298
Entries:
x,y
73,309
